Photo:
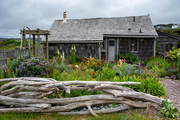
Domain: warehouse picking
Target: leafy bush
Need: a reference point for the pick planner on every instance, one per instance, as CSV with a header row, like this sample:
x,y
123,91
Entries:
x,y
130,58
172,54
35,67
107,73
149,85
169,110
160,62
162,72
178,64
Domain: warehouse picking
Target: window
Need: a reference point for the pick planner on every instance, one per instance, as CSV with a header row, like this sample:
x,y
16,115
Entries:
x,y
133,44
111,43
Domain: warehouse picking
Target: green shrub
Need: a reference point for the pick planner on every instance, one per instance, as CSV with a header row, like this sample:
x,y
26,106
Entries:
x,y
178,64
130,58
169,110
107,73
172,54
160,62
35,67
76,93
149,85
162,72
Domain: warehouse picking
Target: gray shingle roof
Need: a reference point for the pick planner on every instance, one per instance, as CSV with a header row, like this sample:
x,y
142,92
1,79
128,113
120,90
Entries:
x,y
93,29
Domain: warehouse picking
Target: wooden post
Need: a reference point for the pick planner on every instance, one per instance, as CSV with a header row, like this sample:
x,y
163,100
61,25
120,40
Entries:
x,y
39,49
47,51
24,41
106,50
34,50
99,51
117,47
154,47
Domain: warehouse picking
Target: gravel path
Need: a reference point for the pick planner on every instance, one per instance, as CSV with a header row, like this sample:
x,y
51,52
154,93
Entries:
x,y
173,91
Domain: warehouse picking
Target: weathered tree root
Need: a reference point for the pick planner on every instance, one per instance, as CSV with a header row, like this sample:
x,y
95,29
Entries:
x,y
30,94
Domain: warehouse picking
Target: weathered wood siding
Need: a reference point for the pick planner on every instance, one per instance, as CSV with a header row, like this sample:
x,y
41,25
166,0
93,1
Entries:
x,y
163,40
13,54
82,49
145,47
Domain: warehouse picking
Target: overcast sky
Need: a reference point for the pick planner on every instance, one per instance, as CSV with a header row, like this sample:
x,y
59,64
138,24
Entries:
x,y
14,14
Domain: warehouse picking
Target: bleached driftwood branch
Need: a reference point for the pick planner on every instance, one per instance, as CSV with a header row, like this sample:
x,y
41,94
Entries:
x,y
30,94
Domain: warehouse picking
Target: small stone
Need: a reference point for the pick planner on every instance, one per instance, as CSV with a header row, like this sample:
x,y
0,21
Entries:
x,y
166,77
173,77
94,108
110,105
84,109
101,106
119,105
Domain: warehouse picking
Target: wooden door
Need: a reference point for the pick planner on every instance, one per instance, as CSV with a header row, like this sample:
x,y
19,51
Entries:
x,y
111,53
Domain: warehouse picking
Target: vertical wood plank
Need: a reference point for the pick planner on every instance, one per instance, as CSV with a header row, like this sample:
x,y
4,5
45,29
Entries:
x,y
106,50
47,51
34,50
39,50
154,47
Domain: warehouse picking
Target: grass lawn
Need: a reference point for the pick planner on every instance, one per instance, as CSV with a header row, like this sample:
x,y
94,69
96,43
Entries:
x,y
132,114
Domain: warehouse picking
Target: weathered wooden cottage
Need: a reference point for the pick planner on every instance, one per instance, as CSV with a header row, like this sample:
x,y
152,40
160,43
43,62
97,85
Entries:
x,y
104,38
166,41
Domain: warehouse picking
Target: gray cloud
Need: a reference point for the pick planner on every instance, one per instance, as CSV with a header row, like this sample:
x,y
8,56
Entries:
x,y
14,14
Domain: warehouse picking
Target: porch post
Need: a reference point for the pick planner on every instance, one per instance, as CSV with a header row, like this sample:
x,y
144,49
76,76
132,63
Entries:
x,y
117,47
47,51
155,47
34,53
106,50
24,44
99,51
39,50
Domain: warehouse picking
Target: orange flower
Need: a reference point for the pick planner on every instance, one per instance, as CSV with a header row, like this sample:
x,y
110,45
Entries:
x,y
91,58
90,72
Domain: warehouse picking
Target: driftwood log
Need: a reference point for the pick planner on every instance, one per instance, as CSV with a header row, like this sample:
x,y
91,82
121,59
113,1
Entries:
x,y
30,94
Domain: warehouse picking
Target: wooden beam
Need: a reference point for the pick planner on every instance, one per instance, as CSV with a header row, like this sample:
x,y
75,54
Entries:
x,y
106,50
99,51
47,51
39,48
24,41
34,49
154,47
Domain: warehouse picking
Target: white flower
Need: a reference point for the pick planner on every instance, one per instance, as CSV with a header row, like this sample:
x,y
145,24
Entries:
x,y
58,52
178,54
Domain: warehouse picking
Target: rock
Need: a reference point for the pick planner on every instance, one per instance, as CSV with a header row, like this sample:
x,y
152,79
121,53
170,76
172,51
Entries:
x,y
166,77
94,108
101,106
84,109
173,77
110,105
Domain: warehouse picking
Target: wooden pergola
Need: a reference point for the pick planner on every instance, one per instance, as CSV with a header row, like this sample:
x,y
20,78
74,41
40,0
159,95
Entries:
x,y
37,32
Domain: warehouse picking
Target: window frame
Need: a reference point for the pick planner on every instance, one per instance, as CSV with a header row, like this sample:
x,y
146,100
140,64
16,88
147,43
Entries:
x,y
137,44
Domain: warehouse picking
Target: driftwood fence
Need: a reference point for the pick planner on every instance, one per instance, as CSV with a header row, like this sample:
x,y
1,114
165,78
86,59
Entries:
x,y
30,94
12,54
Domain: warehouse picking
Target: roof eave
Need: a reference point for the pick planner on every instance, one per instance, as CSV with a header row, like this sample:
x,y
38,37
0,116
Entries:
x,y
75,41
130,36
